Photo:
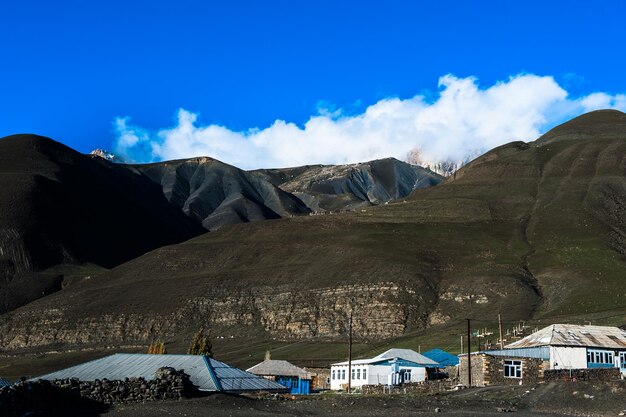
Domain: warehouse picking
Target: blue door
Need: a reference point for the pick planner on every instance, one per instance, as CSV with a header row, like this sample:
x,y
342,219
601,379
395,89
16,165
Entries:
x,y
296,385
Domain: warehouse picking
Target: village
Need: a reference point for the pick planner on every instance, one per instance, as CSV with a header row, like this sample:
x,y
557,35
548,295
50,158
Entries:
x,y
558,352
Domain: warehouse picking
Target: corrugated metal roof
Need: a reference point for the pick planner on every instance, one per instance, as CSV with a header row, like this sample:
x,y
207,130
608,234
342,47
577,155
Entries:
x,y
273,367
5,383
539,352
128,365
406,354
574,335
236,380
442,357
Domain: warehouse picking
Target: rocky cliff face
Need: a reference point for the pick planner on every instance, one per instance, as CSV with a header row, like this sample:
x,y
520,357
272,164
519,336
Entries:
x,y
381,310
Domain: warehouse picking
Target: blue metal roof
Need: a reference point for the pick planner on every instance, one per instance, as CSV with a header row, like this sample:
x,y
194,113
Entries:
x,y
5,383
540,352
442,357
206,373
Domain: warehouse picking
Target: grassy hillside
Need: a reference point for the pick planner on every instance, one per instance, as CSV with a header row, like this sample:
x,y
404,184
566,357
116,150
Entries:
x,y
59,207
535,232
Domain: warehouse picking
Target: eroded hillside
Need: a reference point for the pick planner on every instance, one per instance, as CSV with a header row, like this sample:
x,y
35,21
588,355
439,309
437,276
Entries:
x,y
529,230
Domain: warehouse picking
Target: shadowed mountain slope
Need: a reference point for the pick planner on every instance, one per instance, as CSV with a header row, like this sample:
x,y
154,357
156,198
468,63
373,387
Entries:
x,y
62,207
214,193
339,187
527,230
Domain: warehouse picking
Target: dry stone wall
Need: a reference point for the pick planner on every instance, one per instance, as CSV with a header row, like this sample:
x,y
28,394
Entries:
x,y
597,374
169,384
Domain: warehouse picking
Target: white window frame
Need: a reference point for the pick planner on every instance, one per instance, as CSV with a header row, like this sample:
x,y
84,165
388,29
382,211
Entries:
x,y
365,373
358,373
513,368
333,376
603,357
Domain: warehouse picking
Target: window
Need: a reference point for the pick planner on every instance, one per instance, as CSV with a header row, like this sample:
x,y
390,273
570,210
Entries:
x,y
600,358
353,370
343,374
358,374
512,369
407,375
364,373
333,374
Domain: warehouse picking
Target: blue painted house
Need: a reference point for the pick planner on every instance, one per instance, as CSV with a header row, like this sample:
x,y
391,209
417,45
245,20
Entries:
x,y
296,379
393,367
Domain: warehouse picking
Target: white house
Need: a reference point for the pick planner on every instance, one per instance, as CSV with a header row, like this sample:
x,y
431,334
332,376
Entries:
x,y
571,346
395,366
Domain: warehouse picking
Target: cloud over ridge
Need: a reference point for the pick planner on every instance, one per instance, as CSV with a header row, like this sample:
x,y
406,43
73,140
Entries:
x,y
463,121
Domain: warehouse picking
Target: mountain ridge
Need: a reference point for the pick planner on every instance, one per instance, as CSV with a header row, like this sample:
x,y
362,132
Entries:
x,y
531,232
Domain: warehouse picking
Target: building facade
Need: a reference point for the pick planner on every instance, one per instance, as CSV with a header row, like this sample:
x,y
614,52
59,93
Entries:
x,y
556,347
393,367
296,379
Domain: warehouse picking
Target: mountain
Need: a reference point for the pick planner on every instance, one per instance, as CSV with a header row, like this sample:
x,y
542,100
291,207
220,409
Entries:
x,y
104,154
215,194
348,187
534,231
69,215
60,207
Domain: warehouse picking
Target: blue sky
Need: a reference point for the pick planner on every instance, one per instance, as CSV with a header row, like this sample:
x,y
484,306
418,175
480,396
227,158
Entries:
x,y
71,70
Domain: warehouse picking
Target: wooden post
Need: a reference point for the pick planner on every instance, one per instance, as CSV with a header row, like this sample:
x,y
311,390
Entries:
x,y
350,354
469,355
500,330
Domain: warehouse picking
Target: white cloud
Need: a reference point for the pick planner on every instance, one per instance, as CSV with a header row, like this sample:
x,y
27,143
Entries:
x,y
464,120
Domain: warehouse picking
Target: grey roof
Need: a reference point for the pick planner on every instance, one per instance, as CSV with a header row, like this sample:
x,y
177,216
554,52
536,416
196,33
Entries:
x,y
574,335
206,373
391,354
273,367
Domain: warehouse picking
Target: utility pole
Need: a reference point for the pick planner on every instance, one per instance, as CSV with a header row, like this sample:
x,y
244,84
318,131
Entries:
x,y
500,330
461,344
469,355
350,354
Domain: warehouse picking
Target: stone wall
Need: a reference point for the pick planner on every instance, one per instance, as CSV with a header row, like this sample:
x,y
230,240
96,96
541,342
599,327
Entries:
x,y
169,384
596,374
477,371
489,370
433,386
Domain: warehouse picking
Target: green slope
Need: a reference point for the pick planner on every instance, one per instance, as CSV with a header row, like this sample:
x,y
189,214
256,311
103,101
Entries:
x,y
533,231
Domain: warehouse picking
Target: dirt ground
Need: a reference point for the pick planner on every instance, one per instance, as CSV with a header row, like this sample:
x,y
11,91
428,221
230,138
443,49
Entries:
x,y
551,399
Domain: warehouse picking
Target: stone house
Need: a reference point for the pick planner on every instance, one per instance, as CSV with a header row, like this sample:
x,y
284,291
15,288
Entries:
x,y
555,347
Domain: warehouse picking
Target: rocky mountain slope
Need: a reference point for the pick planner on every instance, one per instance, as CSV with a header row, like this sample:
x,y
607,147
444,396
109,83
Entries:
x,y
68,216
215,194
348,187
529,230
62,207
